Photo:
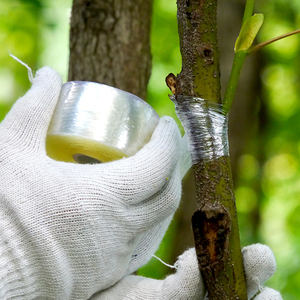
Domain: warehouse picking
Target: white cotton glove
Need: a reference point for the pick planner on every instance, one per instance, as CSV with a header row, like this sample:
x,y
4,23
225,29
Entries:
x,y
68,230
187,284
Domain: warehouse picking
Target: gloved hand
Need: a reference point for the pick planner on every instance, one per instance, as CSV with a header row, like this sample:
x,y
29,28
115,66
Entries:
x,y
67,230
187,283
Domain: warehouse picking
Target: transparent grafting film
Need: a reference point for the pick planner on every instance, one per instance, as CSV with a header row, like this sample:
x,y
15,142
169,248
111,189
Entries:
x,y
205,125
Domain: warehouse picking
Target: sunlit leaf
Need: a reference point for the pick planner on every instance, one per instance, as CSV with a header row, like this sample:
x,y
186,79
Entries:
x,y
248,32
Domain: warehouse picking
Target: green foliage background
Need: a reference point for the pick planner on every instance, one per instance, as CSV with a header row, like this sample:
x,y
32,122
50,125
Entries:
x,y
268,188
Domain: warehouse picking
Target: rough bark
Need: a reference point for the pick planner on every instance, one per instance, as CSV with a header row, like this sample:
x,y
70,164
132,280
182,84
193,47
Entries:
x,y
197,26
215,223
110,43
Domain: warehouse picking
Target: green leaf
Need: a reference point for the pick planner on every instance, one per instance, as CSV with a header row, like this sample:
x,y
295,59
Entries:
x,y
248,32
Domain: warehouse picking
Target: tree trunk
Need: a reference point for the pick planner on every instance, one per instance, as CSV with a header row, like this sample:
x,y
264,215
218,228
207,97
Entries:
x,y
110,43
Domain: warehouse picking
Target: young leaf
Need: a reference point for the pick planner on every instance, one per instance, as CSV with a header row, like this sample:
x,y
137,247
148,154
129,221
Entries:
x,y
248,32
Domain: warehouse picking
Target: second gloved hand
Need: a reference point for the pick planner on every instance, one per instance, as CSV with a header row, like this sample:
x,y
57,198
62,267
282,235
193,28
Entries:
x,y
187,283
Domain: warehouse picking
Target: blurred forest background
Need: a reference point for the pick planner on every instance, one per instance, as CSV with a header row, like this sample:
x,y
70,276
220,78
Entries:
x,y
264,124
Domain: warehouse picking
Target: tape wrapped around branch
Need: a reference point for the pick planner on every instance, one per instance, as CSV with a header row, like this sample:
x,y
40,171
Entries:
x,y
205,125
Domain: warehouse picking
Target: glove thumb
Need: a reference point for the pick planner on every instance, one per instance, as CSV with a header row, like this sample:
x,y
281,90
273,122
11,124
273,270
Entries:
x,y
30,116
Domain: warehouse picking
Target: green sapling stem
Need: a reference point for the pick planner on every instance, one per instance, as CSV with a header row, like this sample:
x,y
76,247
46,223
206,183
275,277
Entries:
x,y
248,10
237,65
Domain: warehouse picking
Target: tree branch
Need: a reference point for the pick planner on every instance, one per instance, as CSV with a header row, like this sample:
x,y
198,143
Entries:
x,y
215,222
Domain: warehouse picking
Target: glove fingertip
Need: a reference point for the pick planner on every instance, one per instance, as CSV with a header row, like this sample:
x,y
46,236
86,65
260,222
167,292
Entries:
x,y
48,76
259,260
259,264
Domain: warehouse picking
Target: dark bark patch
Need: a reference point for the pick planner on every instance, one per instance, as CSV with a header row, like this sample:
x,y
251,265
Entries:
x,y
212,224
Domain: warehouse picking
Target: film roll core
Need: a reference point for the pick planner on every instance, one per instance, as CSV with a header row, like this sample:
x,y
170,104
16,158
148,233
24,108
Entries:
x,y
96,123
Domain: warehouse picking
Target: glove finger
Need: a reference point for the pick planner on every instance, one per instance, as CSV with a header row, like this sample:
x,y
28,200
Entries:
x,y
187,282
29,118
259,264
141,176
268,294
147,214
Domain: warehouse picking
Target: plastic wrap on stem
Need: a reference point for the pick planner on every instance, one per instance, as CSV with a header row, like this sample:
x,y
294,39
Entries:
x,y
205,125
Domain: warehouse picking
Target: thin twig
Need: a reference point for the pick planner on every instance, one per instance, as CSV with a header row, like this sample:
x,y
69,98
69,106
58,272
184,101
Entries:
x,y
261,45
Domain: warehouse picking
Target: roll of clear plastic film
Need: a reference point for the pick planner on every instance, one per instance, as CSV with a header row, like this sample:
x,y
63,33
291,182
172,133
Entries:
x,y
95,123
